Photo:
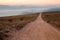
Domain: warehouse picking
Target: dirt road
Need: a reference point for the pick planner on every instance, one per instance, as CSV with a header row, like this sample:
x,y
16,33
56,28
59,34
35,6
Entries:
x,y
37,30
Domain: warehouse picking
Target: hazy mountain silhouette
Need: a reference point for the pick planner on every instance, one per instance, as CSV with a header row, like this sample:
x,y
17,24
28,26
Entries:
x,y
49,8
18,7
6,10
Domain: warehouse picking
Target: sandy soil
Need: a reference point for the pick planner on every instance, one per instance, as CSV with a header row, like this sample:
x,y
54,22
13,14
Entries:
x,y
37,30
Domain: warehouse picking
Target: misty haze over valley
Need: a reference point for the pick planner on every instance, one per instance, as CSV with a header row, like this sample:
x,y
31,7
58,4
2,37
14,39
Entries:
x,y
6,10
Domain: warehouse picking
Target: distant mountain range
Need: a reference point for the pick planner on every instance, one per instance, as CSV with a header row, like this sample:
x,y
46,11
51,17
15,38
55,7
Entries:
x,y
18,7
49,8
54,9
6,10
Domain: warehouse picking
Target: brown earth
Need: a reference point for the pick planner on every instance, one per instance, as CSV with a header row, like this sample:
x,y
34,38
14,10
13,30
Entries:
x,y
10,24
52,18
37,30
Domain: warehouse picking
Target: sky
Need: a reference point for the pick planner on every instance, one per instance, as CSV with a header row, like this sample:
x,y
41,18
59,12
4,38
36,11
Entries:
x,y
29,2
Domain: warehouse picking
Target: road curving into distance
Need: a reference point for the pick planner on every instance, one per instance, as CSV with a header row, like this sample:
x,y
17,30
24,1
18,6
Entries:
x,y
37,30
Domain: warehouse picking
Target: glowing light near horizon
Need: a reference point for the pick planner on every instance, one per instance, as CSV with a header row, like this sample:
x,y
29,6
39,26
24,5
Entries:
x,y
32,2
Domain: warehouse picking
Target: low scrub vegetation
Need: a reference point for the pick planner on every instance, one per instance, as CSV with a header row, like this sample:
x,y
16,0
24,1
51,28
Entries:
x,y
14,23
52,18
